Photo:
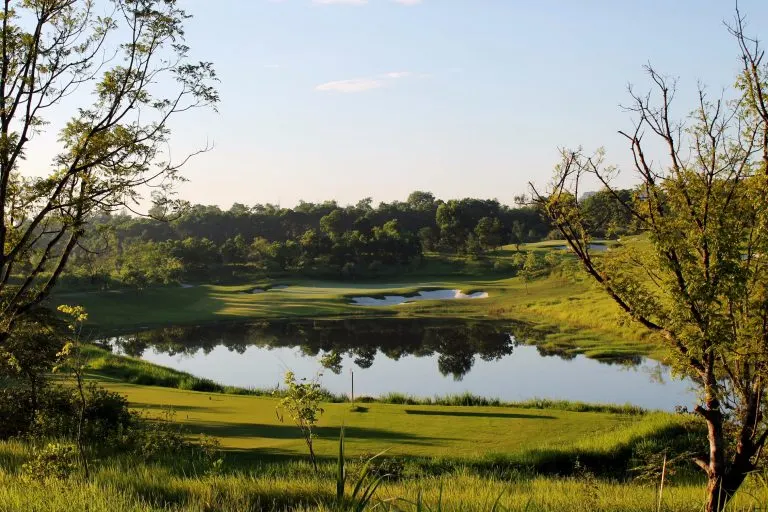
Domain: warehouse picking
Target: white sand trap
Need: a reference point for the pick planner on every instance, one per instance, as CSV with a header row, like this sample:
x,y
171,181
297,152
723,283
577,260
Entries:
x,y
279,287
185,285
394,300
258,290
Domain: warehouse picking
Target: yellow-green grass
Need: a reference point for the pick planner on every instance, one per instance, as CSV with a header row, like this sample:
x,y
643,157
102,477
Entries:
x,y
251,423
138,487
142,488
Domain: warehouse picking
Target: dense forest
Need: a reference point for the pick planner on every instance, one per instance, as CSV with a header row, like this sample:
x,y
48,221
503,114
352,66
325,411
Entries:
x,y
206,242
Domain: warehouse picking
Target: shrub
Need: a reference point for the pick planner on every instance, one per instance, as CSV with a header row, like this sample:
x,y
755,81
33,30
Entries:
x,y
55,460
106,415
16,412
154,439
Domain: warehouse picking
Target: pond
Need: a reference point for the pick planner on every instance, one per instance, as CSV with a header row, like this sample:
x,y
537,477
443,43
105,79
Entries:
x,y
418,357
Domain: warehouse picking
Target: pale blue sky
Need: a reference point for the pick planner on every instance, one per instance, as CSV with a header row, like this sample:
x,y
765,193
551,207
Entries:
x,y
459,97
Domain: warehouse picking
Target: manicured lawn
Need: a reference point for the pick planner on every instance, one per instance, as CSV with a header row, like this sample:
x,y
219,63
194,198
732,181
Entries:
x,y
251,423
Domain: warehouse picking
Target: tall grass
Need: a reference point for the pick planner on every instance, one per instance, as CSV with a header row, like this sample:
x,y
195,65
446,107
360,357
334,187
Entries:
x,y
143,488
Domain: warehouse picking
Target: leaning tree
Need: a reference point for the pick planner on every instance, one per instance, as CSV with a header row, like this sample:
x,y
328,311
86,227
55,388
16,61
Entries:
x,y
111,74
698,276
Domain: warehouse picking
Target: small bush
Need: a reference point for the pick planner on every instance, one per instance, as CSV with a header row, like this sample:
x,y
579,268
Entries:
x,y
106,417
55,460
155,439
16,412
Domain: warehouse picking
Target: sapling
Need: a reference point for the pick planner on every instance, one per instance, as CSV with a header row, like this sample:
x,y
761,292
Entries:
x,y
302,403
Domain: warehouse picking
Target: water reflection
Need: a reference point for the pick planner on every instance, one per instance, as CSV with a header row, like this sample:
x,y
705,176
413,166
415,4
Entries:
x,y
455,344
500,359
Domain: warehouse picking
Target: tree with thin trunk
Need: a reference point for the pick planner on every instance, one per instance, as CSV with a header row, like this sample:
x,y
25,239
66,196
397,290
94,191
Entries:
x,y
108,77
698,276
71,359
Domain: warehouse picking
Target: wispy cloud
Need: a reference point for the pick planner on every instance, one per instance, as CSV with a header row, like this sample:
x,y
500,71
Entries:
x,y
408,2
363,84
340,2
349,86
397,74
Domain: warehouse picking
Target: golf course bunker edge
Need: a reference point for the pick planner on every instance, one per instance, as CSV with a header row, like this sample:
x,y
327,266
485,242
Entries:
x,y
394,300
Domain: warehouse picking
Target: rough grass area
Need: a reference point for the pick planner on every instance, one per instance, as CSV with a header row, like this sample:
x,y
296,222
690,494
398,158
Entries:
x,y
125,484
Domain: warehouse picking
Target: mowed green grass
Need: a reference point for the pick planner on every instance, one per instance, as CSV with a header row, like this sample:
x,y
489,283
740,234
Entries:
x,y
251,423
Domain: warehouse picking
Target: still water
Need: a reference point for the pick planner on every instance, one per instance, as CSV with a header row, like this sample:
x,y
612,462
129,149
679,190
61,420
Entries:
x,y
417,357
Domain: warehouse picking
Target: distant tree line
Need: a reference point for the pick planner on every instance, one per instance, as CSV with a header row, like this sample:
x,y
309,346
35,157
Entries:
x,y
346,240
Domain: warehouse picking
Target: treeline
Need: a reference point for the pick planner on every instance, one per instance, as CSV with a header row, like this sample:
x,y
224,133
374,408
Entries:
x,y
320,237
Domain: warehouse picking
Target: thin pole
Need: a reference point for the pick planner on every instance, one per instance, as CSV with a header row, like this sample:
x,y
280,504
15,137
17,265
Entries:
x,y
661,486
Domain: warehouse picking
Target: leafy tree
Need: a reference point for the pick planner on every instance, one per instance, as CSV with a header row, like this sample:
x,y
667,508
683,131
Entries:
x,y
285,254
234,250
423,201
605,215
488,233
532,267
331,224
30,352
518,234
115,140
149,263
71,359
197,255
701,281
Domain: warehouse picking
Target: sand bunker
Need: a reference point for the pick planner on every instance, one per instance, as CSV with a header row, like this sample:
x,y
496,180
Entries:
x,y
394,300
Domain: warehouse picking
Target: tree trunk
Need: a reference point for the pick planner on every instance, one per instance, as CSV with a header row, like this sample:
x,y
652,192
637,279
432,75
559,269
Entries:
x,y
723,480
715,495
721,490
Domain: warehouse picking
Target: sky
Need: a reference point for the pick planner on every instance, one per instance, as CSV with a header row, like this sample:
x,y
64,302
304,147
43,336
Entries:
x,y
345,99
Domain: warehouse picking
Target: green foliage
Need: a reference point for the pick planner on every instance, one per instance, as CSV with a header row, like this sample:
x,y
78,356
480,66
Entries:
x,y
114,141
149,263
301,401
53,461
105,418
325,239
159,437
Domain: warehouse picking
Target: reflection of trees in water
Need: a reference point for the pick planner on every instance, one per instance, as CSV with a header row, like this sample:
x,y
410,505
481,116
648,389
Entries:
x,y
455,343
